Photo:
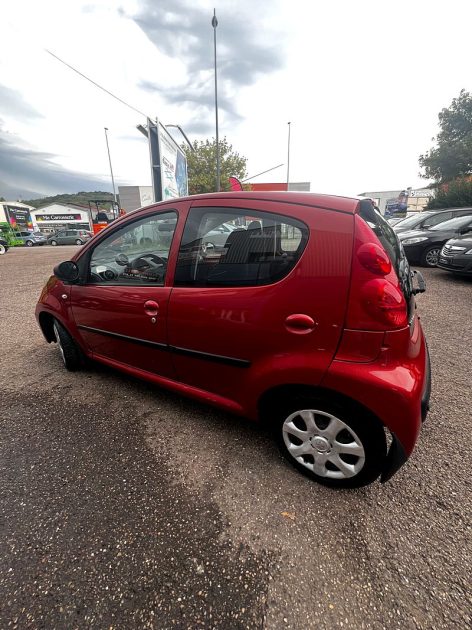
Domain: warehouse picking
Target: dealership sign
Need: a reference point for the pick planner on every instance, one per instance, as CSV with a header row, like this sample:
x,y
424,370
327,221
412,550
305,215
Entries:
x,y
59,217
421,193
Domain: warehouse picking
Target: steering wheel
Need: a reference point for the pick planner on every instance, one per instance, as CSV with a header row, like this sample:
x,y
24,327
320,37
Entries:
x,y
102,273
146,259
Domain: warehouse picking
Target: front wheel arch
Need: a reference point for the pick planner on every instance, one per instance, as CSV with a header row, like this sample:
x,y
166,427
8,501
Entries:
x,y
46,322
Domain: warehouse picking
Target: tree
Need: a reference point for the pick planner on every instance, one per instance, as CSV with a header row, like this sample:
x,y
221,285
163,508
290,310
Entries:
x,y
455,194
201,165
452,157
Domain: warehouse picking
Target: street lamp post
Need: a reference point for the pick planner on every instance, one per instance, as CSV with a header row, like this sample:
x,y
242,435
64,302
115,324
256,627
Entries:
x,y
288,157
214,23
111,171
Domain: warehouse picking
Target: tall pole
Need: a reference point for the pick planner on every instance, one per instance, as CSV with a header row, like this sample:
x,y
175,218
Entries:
x,y
111,171
214,23
288,157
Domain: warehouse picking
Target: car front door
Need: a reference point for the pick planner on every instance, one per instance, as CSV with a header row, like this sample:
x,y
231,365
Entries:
x,y
121,306
265,306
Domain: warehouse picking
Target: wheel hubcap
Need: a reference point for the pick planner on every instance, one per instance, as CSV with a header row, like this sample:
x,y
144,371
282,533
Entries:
x,y
320,444
323,443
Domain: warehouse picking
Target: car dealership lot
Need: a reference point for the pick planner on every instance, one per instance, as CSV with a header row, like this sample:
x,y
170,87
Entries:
x,y
125,506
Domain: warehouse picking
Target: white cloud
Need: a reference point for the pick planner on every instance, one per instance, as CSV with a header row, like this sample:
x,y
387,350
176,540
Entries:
x,y
362,83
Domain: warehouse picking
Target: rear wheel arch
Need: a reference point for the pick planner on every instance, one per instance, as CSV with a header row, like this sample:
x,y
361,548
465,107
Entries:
x,y
273,398
326,454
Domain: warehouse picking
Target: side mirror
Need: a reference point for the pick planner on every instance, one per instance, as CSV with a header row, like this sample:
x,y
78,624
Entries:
x,y
67,271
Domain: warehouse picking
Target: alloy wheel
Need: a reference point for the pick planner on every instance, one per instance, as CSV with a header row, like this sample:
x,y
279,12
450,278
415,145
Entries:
x,y
432,257
59,343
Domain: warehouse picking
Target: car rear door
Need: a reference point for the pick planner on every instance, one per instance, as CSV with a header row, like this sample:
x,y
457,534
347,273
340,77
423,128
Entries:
x,y
268,308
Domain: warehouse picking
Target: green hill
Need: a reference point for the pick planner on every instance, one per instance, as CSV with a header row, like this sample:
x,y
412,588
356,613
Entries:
x,y
80,199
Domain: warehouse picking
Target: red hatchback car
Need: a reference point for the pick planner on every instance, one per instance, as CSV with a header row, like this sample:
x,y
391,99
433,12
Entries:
x,y
304,317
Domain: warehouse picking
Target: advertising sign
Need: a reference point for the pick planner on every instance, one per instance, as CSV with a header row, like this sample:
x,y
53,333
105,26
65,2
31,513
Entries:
x,y
398,205
19,217
174,178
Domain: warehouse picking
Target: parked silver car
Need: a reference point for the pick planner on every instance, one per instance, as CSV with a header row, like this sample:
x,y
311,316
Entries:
x,y
69,237
217,237
31,238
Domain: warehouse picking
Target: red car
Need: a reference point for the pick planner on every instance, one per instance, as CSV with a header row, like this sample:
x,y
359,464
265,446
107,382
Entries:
x,y
304,318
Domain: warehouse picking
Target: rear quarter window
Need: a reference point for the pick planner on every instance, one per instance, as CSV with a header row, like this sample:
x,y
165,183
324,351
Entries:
x,y
258,248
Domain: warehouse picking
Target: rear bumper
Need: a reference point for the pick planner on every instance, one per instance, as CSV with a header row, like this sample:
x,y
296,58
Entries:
x,y
396,388
396,455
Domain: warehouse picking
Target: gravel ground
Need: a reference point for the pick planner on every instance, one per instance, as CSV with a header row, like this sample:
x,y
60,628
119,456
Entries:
x,y
124,506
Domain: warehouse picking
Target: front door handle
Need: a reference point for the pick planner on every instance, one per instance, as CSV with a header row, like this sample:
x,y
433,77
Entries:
x,y
151,308
300,324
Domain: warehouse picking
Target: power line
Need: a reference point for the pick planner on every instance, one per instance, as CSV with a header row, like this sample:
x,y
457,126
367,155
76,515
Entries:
x,y
96,84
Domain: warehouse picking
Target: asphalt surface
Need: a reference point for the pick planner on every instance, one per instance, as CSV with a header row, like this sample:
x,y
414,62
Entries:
x,y
124,506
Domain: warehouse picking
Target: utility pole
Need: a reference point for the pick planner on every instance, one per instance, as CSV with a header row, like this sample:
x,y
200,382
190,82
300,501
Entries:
x,y
214,23
115,209
288,157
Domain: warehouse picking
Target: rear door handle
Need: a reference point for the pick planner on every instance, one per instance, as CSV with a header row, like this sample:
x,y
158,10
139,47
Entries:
x,y
300,324
151,308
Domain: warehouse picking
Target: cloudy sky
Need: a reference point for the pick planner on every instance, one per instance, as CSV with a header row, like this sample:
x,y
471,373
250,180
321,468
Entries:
x,y
361,82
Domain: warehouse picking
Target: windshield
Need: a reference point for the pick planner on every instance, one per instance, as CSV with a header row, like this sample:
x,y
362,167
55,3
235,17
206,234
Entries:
x,y
412,221
453,224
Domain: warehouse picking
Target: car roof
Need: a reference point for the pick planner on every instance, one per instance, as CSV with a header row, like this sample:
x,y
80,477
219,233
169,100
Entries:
x,y
328,202
451,210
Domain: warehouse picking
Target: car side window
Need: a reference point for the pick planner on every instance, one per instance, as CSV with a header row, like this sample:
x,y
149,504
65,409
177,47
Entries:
x,y
437,218
135,254
226,247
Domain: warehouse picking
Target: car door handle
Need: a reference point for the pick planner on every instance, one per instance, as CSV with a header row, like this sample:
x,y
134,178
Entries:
x,y
151,308
300,324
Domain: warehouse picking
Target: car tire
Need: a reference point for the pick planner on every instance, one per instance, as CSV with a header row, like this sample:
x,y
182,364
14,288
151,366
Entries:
x,y
334,446
79,242
29,243
3,249
54,243
72,356
430,256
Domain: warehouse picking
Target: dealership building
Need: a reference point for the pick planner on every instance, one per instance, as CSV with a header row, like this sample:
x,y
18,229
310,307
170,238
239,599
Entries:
x,y
417,199
56,216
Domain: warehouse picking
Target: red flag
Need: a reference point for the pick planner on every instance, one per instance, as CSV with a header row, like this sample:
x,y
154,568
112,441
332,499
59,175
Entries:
x,y
235,183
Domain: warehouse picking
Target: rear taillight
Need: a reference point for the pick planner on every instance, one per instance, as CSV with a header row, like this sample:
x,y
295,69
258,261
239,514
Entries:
x,y
376,300
385,302
374,259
